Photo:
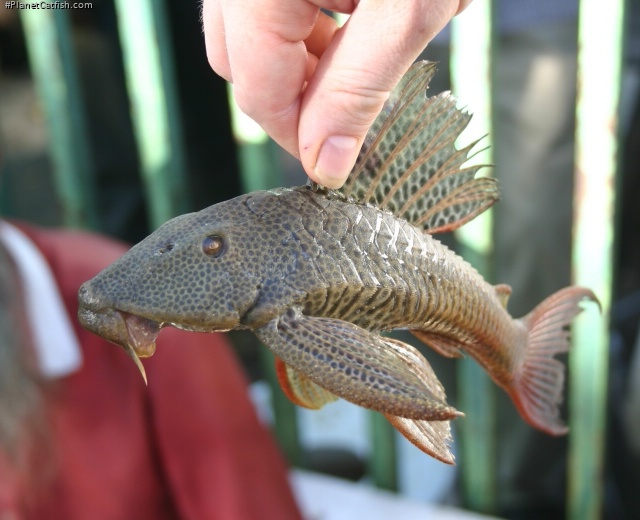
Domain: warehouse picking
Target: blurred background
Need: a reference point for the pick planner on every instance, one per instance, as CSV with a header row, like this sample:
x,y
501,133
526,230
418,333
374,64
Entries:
x,y
112,121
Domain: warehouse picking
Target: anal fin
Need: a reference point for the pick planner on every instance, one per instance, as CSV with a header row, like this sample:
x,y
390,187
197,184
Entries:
x,y
441,344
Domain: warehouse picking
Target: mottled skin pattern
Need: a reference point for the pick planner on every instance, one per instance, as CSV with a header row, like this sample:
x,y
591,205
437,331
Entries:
x,y
365,266
307,250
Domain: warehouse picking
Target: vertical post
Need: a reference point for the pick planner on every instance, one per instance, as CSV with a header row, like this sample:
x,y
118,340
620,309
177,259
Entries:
x,y
150,76
599,64
383,466
471,51
52,61
284,412
256,152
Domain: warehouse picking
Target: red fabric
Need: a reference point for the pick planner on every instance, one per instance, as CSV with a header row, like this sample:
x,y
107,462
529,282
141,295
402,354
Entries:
x,y
188,447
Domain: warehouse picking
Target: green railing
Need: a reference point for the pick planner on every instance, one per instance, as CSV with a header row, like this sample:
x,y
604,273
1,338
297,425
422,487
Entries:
x,y
48,38
597,149
471,76
149,72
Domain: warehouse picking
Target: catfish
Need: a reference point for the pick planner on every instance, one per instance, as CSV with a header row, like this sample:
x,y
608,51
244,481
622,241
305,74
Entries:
x,y
318,274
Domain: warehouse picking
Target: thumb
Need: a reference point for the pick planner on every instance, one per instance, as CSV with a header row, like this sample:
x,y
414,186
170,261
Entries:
x,y
354,77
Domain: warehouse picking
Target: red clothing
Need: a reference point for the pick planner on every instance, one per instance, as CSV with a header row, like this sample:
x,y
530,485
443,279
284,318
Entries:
x,y
189,446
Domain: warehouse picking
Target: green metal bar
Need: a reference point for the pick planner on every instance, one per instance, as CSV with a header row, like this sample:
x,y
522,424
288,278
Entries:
x,y
48,38
284,412
256,152
150,76
383,465
599,68
471,46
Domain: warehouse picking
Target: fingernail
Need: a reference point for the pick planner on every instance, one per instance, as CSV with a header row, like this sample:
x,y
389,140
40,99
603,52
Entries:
x,y
335,160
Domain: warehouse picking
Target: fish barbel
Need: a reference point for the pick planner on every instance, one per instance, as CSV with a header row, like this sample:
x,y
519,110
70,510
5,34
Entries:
x,y
317,274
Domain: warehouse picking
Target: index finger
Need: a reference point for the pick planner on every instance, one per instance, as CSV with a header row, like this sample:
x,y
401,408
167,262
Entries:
x,y
268,61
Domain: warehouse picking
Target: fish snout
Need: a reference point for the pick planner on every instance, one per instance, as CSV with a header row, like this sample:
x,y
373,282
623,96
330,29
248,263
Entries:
x,y
84,294
135,335
100,319
88,299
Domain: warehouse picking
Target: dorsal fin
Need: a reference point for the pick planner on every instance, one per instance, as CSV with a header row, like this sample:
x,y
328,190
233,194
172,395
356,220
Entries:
x,y
409,164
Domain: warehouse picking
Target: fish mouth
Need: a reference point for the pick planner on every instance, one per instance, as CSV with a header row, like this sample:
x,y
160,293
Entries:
x,y
142,334
135,334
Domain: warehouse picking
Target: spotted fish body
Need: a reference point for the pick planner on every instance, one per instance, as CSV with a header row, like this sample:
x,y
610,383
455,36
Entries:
x,y
317,274
368,267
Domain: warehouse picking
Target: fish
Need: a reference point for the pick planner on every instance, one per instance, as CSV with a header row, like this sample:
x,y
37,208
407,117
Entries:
x,y
318,275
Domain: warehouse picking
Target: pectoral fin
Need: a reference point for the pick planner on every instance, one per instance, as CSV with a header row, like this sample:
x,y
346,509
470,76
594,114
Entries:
x,y
354,364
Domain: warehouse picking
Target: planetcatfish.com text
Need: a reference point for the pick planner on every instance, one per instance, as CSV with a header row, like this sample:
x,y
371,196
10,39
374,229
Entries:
x,y
48,5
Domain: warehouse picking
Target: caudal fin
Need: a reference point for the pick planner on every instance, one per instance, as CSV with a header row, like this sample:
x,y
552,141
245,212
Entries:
x,y
538,382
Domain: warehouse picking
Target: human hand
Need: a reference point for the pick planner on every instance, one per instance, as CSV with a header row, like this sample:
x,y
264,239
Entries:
x,y
316,88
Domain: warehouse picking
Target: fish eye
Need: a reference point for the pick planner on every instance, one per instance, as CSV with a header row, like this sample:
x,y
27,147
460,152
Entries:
x,y
213,245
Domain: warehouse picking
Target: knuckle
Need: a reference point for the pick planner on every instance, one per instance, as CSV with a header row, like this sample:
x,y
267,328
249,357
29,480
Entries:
x,y
219,63
246,102
360,101
261,106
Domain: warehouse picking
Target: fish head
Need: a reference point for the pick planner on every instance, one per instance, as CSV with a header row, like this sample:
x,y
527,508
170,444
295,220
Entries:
x,y
199,272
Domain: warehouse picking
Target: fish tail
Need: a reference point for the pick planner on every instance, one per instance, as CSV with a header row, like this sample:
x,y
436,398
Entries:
x,y
538,382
